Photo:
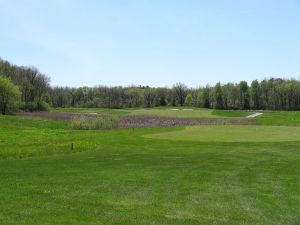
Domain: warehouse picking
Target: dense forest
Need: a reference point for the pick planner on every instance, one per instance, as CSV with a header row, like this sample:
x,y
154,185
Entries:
x,y
37,94
33,85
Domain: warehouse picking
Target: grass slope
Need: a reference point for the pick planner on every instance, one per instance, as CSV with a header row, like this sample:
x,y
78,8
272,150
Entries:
x,y
92,110
280,118
182,112
121,177
268,118
230,133
176,112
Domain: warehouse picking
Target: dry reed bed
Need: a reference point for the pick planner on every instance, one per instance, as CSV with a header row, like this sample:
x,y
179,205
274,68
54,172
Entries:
x,y
139,121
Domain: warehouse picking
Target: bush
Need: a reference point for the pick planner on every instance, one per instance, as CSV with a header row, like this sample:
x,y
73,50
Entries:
x,y
35,106
93,122
43,106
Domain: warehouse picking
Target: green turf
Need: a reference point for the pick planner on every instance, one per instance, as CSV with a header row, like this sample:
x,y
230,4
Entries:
x,y
284,118
231,133
92,110
268,117
176,112
232,113
122,177
182,112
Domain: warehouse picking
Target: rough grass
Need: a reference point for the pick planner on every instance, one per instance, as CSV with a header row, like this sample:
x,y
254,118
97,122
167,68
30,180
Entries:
x,y
121,177
177,112
92,110
283,118
233,133
86,122
181,112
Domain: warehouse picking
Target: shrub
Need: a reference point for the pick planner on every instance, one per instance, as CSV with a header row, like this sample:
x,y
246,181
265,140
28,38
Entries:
x,y
93,122
43,106
35,106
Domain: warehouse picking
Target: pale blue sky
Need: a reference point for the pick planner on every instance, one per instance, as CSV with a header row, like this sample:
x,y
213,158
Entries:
x,y
152,42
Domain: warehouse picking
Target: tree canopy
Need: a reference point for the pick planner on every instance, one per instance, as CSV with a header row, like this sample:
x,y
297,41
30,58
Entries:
x,y
10,96
268,94
34,86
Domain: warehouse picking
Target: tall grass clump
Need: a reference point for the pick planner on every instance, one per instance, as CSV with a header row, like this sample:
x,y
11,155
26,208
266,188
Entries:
x,y
88,122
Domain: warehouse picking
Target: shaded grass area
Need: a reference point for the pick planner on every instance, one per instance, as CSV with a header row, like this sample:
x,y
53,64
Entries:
x,y
120,177
233,133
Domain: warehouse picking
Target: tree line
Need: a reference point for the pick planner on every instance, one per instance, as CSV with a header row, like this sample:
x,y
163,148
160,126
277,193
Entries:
x,y
32,84
37,94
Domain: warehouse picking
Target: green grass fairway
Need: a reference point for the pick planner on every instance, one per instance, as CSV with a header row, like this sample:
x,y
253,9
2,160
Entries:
x,y
182,112
177,112
229,133
279,118
92,110
122,177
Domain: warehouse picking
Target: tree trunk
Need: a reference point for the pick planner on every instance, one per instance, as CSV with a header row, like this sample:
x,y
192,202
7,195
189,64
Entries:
x,y
4,109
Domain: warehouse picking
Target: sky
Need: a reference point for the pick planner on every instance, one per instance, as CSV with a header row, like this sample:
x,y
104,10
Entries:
x,y
152,42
